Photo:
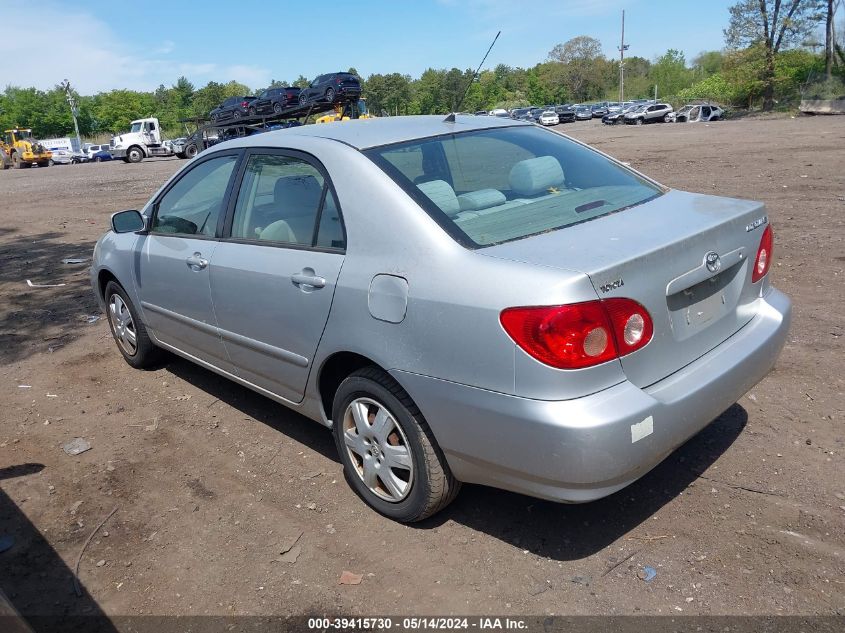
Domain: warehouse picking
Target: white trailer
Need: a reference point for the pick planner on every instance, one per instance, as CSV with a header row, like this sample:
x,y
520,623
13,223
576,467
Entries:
x,y
65,142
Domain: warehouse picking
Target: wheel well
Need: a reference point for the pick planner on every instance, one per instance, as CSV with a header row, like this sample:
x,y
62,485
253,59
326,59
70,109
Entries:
x,y
102,280
334,370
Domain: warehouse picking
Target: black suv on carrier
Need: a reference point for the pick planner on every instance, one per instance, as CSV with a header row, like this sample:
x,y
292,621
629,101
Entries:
x,y
331,88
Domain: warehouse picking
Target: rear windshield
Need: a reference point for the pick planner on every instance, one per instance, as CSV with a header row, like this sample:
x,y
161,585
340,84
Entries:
x,y
486,187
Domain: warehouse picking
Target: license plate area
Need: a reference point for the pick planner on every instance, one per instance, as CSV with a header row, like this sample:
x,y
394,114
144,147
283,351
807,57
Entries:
x,y
697,308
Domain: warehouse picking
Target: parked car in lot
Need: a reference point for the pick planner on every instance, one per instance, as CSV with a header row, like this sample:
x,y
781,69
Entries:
x,y
599,110
614,118
67,157
520,114
232,108
583,113
101,156
331,88
580,339
565,113
549,117
654,113
274,101
90,149
694,113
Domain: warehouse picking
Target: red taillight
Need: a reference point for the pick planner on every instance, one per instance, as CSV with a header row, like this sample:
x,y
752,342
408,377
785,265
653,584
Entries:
x,y
338,80
580,334
244,104
764,255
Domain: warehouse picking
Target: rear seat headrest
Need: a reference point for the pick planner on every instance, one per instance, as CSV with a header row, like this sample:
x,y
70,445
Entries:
x,y
441,193
535,175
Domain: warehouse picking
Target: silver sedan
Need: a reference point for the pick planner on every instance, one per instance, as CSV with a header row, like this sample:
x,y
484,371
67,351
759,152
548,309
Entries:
x,y
466,299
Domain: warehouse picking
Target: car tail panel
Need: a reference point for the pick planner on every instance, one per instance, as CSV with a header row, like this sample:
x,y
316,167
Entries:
x,y
686,258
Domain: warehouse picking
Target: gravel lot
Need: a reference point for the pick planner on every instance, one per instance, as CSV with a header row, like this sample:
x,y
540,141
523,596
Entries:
x,y
212,483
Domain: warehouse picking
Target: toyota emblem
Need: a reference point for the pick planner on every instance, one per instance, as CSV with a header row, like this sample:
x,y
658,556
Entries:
x,y
713,262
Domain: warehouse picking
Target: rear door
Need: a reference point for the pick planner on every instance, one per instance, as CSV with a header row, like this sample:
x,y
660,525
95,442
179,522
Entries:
x,y
172,268
273,276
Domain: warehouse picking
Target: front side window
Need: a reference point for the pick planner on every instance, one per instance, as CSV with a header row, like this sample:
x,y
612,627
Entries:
x,y
193,205
491,186
281,199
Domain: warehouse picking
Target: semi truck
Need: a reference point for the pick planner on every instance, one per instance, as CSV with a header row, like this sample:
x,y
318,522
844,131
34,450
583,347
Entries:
x,y
143,140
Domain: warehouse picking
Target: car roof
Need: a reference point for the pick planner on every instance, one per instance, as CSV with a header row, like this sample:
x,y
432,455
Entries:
x,y
365,133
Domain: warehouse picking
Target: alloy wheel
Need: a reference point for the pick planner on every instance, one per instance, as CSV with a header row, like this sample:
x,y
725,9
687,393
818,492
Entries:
x,y
378,449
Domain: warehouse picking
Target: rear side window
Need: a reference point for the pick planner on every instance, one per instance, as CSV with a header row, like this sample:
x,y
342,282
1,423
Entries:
x,y
491,186
286,199
193,204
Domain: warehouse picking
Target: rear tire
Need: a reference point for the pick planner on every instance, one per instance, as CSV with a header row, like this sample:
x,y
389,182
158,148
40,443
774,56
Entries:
x,y
237,114
428,486
136,348
302,99
330,95
277,108
667,119
640,121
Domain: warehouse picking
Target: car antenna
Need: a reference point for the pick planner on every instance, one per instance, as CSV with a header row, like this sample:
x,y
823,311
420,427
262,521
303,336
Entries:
x,y
450,118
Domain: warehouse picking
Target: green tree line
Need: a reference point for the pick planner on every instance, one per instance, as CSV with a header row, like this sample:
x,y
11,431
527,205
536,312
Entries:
x,y
767,63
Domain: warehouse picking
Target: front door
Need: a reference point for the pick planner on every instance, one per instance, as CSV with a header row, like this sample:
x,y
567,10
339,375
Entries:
x,y
172,268
273,278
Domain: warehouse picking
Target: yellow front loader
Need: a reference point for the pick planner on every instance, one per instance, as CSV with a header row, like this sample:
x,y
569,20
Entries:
x,y
22,150
344,112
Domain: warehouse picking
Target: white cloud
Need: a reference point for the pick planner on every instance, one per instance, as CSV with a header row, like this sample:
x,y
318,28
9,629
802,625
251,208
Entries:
x,y
85,50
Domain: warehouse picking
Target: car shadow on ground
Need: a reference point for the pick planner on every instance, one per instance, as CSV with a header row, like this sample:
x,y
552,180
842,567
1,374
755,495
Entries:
x,y
567,532
34,580
278,417
32,319
552,530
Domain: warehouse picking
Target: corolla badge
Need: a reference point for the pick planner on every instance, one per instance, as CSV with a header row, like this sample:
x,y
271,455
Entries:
x,y
713,262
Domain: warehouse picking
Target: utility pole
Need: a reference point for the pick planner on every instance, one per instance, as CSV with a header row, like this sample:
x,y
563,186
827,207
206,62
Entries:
x,y
74,111
622,48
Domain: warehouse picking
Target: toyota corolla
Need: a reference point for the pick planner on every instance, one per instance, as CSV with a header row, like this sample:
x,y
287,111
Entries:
x,y
468,299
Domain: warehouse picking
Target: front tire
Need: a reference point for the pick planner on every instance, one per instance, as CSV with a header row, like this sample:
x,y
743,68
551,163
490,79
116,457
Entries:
x,y
128,330
190,151
134,155
389,454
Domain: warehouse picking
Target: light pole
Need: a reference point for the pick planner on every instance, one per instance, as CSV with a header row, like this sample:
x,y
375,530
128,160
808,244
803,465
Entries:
x,y
74,111
622,48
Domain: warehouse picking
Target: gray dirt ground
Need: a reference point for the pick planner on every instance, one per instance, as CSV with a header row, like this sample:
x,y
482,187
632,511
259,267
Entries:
x,y
210,480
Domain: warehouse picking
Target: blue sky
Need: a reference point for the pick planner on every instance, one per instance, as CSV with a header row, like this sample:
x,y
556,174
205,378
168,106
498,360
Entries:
x,y
104,44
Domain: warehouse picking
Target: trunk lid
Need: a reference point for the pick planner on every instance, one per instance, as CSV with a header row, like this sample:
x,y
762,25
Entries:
x,y
658,254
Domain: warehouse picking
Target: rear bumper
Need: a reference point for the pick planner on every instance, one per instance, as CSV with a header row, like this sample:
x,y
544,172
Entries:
x,y
584,449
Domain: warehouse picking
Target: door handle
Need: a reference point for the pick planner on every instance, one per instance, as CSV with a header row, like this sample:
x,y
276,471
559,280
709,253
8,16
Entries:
x,y
196,262
307,278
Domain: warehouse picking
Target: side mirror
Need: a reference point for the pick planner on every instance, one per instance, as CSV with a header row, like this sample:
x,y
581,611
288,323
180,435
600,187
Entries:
x,y
127,222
